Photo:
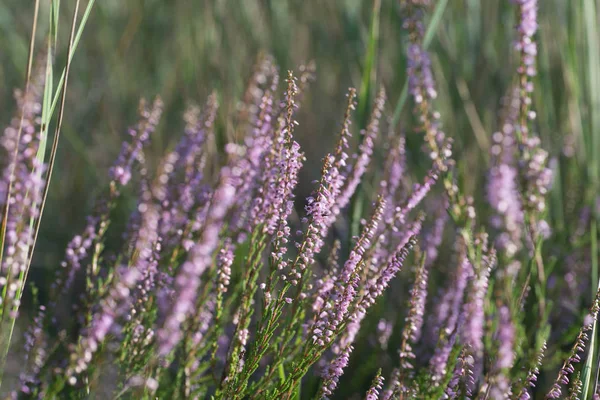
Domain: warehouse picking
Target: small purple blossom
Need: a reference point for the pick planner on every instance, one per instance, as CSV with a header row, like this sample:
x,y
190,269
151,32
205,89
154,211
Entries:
x,y
505,337
364,155
376,386
331,375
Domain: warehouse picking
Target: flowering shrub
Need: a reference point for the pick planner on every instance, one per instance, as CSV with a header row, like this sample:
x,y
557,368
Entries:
x,y
221,288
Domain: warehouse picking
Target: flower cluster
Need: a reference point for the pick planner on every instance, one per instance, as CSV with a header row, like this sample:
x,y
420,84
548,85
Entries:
x,y
21,192
226,284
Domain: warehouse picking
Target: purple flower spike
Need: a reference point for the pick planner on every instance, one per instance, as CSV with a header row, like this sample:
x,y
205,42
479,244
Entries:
x,y
532,375
505,336
462,376
342,296
187,280
574,356
364,156
21,190
79,247
332,374
414,319
121,170
373,392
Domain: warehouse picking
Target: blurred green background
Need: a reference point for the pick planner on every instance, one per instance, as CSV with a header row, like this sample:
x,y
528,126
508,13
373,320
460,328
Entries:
x,y
184,49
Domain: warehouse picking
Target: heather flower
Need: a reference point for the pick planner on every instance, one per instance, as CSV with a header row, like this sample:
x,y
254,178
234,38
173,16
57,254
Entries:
x,y
421,83
574,356
19,140
373,392
103,322
320,208
79,247
412,329
224,261
439,361
384,331
474,310
505,336
389,392
331,375
364,155
449,305
576,388
324,285
330,317
414,320
253,161
201,322
21,190
283,163
473,330
139,275
364,241
432,238
376,286
121,170
538,177
264,69
527,48
505,200
334,175
451,302
343,295
317,211
532,375
399,237
417,195
395,165
503,182
340,170
35,354
188,278
185,171
462,377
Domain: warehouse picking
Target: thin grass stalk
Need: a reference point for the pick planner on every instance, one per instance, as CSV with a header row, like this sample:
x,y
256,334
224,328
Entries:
x,y
369,79
587,372
593,85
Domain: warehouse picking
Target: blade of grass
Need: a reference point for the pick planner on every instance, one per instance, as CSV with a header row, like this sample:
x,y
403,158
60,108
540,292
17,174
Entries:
x,y
589,362
55,15
84,19
593,85
368,78
436,18
365,95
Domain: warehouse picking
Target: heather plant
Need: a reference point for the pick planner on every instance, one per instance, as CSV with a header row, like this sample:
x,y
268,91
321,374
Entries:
x,y
391,280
